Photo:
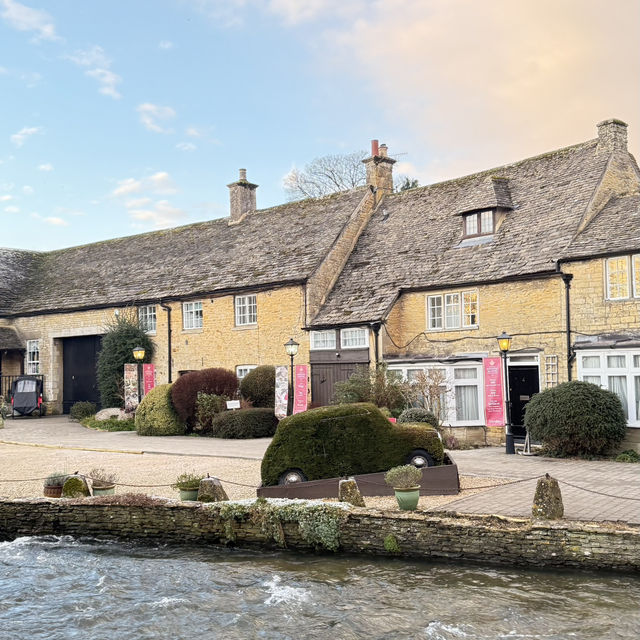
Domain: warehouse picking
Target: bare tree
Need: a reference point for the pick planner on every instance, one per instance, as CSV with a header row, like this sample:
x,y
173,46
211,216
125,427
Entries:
x,y
431,391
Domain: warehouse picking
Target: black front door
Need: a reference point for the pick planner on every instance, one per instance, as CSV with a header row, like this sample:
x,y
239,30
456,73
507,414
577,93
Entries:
x,y
79,359
524,382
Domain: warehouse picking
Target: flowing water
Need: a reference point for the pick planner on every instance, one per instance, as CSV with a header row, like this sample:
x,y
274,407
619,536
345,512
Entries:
x,y
60,588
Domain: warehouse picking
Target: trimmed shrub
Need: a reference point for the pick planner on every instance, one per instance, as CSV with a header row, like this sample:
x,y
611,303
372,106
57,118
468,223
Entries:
x,y
576,419
259,386
208,406
416,414
245,423
344,440
215,381
156,416
82,410
629,455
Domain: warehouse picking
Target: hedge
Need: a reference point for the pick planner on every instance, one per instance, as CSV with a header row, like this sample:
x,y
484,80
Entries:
x,y
259,386
155,415
343,440
208,406
417,414
245,423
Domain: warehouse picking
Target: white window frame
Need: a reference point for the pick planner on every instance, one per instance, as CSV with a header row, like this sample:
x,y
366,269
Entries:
x,y
436,326
347,331
246,310
465,295
635,274
192,316
147,318
319,343
441,301
625,260
630,371
451,382
244,369
32,358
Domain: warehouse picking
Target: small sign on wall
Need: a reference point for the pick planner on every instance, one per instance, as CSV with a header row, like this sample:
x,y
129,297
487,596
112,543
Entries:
x,y
233,404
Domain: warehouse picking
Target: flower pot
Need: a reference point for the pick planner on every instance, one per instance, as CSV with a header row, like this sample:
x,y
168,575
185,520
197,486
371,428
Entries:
x,y
104,491
51,491
407,498
189,494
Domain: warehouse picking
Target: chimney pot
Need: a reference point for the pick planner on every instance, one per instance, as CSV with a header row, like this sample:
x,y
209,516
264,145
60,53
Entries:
x,y
243,175
383,150
374,147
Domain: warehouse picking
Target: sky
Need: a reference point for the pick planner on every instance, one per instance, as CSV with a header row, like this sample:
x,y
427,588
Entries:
x,y
122,117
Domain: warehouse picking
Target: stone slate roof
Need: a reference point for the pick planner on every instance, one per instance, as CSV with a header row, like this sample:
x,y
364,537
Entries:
x,y
9,339
414,239
276,245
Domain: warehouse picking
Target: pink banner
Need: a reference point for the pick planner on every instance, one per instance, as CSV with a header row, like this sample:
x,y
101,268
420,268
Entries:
x,y
148,377
301,388
493,392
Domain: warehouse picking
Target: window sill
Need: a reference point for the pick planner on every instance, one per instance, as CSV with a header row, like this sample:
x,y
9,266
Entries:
x,y
244,327
474,327
196,330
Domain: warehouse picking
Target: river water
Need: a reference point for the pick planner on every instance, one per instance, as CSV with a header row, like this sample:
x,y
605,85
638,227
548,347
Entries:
x,y
64,589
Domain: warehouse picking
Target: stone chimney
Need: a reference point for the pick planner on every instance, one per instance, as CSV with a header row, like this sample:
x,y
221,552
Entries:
x,y
242,196
612,136
379,170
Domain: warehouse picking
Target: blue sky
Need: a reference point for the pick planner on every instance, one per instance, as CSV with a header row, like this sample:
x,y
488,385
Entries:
x,y
123,117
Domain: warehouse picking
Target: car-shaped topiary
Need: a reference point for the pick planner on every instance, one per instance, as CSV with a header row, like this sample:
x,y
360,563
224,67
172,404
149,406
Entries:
x,y
346,439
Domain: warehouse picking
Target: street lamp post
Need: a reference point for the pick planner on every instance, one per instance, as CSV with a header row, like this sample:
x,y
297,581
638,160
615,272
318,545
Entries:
x,y
504,343
138,356
291,347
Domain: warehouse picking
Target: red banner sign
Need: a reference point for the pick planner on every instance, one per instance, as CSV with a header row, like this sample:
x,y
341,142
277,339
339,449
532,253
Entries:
x,y
301,388
493,392
148,377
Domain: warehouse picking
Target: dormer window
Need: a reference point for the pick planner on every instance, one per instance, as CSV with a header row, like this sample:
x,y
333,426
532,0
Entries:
x,y
479,224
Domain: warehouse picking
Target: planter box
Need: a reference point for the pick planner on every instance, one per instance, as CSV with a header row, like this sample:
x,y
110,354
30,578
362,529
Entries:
x,y
436,481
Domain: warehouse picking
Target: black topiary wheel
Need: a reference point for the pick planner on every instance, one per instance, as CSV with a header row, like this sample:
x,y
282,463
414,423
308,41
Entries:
x,y
420,458
292,476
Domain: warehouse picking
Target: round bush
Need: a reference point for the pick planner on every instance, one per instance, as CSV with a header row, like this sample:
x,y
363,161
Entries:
x,y
215,381
245,423
208,406
155,415
82,410
417,414
259,386
576,419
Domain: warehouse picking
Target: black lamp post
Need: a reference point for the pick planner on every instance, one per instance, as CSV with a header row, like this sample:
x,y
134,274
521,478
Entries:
x,y
291,347
504,343
138,356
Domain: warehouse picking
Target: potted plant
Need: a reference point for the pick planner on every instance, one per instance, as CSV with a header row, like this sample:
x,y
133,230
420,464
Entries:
x,y
103,483
188,485
405,481
53,484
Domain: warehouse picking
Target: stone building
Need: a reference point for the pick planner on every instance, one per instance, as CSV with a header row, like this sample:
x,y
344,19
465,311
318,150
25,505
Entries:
x,y
546,249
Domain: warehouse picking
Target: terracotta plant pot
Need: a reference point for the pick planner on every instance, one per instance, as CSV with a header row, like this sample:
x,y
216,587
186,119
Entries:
x,y
50,491
189,494
104,491
407,498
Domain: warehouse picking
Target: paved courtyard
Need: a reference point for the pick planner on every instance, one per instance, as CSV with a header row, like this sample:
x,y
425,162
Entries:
x,y
620,482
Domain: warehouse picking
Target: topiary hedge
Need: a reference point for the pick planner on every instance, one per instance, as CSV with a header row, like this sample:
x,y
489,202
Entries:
x,y
343,440
81,410
417,414
245,423
215,381
155,415
576,419
208,406
259,386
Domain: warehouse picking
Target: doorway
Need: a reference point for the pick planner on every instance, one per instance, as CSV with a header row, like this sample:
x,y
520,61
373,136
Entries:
x,y
79,379
324,378
524,383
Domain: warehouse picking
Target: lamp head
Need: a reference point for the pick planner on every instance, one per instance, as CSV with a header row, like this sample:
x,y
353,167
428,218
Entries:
x,y
138,354
291,347
504,342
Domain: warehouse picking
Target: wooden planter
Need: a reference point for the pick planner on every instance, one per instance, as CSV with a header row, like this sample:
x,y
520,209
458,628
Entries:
x,y
52,491
436,481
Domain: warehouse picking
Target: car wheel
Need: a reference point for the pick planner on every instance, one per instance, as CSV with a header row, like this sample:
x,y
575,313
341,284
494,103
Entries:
x,y
420,458
291,476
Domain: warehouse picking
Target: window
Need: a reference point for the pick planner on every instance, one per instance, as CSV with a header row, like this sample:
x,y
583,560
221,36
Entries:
x,y
246,310
323,340
147,318
478,224
33,357
618,371
551,371
636,276
618,278
452,310
354,338
192,315
243,369
465,386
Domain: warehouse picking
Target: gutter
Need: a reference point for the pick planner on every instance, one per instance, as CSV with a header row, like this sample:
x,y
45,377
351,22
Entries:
x,y
167,308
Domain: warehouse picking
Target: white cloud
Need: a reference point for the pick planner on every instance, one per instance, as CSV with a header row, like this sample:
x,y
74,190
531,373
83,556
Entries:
x,y
27,190
127,186
23,18
97,58
165,45
93,57
162,214
159,183
151,114
45,166
12,209
186,146
162,183
108,82
55,221
194,132
6,197
136,203
21,136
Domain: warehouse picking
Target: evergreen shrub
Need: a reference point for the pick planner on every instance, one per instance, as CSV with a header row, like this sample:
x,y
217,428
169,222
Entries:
x,y
156,416
245,423
259,386
208,406
82,410
215,381
344,440
576,419
417,414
